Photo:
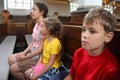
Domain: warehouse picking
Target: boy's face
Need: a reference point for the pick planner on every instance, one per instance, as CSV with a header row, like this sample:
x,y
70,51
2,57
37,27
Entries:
x,y
93,36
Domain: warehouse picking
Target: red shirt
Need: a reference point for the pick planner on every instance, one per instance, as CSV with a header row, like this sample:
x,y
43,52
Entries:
x,y
102,67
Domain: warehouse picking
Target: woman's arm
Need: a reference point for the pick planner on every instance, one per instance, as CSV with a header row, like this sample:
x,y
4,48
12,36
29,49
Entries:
x,y
37,51
28,48
22,54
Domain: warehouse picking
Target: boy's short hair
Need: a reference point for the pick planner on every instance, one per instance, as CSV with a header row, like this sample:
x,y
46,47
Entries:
x,y
103,17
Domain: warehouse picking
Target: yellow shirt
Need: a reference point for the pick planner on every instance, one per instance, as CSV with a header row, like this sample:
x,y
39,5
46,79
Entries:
x,y
53,47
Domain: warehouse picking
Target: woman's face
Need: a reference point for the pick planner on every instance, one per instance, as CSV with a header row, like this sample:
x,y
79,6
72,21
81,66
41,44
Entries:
x,y
36,13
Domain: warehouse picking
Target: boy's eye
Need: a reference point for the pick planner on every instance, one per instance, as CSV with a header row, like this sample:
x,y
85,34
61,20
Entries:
x,y
92,31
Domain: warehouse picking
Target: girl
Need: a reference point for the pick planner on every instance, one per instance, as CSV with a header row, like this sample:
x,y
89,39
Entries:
x,y
24,60
49,62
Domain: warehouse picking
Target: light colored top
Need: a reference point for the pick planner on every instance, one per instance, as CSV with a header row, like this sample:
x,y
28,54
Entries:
x,y
36,37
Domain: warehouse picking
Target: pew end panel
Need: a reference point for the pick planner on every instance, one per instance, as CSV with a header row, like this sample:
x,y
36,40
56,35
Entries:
x,y
71,40
3,29
114,44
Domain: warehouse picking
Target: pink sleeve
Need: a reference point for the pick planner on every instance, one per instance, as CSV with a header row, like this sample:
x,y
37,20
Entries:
x,y
38,68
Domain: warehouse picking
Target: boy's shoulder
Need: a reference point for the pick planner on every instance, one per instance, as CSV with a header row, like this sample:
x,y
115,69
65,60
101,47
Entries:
x,y
113,70
111,63
80,51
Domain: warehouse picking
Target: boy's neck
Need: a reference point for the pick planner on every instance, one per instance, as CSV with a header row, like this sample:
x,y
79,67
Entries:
x,y
95,52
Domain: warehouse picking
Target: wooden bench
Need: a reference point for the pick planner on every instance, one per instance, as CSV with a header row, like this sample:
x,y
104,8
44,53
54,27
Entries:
x,y
114,44
71,37
72,23
71,40
3,29
6,49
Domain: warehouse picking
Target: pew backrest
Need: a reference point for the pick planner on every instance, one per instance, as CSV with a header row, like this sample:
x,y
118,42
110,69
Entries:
x,y
114,45
71,41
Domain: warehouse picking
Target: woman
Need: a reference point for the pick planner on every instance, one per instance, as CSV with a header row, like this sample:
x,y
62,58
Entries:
x,y
24,60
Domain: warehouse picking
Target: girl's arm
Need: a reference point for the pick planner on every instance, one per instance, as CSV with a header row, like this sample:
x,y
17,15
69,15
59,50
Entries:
x,y
49,65
68,77
46,67
40,59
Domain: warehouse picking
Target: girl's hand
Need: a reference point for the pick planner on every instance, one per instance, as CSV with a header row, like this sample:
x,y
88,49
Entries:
x,y
34,77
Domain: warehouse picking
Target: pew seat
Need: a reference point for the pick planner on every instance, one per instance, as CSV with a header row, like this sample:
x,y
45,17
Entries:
x,y
28,38
6,49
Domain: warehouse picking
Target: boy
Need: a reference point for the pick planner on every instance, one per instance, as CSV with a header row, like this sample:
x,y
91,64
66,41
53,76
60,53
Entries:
x,y
94,61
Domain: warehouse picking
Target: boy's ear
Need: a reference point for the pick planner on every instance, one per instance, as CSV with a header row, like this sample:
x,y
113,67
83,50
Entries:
x,y
109,36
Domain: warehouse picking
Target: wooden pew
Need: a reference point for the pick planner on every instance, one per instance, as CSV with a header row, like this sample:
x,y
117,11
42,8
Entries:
x,y
72,23
6,49
114,45
3,29
2,38
71,40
